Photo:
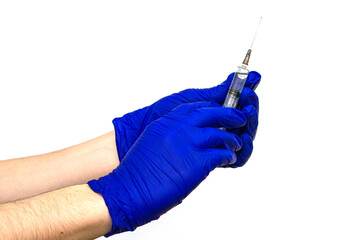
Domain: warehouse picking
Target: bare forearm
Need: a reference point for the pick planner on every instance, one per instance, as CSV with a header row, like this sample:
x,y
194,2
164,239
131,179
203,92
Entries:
x,y
26,177
71,213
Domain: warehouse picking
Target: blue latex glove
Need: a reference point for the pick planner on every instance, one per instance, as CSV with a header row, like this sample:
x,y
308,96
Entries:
x,y
171,157
129,127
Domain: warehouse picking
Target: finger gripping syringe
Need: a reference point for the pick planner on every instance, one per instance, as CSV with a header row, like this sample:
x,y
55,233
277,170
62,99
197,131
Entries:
x,y
239,80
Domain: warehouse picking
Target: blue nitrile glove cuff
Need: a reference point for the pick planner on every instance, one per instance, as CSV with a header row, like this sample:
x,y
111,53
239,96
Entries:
x,y
129,127
121,218
124,199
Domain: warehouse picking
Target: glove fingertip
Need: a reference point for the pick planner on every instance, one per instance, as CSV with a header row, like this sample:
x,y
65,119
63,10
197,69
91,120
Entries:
x,y
228,159
253,80
233,159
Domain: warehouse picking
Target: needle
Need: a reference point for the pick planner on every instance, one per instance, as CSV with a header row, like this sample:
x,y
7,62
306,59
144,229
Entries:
x,y
255,33
247,56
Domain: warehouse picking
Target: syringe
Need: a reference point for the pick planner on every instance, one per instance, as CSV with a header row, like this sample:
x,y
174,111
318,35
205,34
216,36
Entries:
x,y
238,82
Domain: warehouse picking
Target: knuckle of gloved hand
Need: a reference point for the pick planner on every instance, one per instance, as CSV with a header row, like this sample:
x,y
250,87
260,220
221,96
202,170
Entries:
x,y
235,114
179,132
248,97
199,137
250,112
202,112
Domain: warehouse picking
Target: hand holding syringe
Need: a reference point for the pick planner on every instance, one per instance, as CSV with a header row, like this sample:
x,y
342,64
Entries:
x,y
238,82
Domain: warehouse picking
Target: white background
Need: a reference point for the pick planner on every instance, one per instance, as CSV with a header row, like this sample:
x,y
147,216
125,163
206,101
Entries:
x,y
67,68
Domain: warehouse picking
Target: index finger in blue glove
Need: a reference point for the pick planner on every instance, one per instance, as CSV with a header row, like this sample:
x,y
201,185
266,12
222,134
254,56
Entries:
x,y
189,107
219,157
218,117
216,138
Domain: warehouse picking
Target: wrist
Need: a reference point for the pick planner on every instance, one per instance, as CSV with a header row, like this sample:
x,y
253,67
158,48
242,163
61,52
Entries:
x,y
128,128
120,216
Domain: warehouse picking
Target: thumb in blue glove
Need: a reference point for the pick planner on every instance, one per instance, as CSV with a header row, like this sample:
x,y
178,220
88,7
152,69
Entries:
x,y
172,156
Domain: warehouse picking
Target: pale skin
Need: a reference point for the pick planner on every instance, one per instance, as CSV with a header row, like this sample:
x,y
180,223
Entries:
x,y
30,176
70,213
67,208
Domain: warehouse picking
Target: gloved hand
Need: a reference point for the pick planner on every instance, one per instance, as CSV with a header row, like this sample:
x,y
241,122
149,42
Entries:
x,y
172,156
129,127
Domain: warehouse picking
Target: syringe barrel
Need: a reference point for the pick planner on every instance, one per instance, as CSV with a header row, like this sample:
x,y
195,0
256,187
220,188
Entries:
x,y
236,87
